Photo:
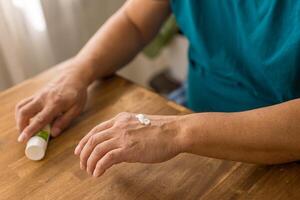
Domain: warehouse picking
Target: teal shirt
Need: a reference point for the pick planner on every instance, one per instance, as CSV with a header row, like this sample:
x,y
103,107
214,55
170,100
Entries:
x,y
243,54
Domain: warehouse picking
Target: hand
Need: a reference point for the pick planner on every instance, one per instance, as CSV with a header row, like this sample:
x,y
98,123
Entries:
x,y
125,139
59,102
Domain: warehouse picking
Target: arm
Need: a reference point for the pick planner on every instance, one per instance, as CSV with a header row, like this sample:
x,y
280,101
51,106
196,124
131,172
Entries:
x,y
123,36
268,135
114,45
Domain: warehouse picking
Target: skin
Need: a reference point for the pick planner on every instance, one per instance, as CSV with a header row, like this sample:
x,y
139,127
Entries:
x,y
267,135
124,138
96,60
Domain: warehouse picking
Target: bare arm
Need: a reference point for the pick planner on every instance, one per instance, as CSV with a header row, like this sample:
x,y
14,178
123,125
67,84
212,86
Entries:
x,y
267,135
123,36
114,45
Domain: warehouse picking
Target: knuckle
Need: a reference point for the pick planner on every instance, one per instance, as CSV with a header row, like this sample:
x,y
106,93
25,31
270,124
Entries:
x,y
40,119
120,125
123,115
96,128
39,97
58,100
93,140
84,141
82,158
98,150
123,121
37,100
126,134
89,163
129,144
28,134
23,111
111,157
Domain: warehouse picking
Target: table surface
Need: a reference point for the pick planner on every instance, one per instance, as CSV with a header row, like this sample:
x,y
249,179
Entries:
x,y
187,176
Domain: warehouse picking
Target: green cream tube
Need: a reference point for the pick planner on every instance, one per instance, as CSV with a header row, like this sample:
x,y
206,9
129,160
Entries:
x,y
37,145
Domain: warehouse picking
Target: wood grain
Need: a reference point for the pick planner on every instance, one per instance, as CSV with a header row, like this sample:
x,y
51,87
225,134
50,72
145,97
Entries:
x,y
58,176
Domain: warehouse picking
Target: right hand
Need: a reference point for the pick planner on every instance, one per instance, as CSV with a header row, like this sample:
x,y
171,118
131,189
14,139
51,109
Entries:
x,y
58,103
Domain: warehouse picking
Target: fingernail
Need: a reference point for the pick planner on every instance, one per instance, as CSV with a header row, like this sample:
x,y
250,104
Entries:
x,y
56,131
21,137
76,150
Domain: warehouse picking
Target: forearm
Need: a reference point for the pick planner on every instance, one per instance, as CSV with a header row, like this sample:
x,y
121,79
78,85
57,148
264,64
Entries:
x,y
120,39
116,43
268,135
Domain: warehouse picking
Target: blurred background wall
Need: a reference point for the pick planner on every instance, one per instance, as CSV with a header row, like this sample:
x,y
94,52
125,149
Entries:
x,y
37,34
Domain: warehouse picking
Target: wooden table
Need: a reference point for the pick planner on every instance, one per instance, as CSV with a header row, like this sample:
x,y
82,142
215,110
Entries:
x,y
58,176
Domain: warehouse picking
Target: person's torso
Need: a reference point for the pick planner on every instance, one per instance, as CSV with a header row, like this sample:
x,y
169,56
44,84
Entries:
x,y
243,54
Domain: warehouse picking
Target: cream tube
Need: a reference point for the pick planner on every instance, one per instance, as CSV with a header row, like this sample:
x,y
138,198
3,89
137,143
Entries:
x,y
37,145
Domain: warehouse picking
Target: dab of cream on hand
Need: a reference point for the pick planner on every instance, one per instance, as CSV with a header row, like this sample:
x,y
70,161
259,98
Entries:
x,y
37,145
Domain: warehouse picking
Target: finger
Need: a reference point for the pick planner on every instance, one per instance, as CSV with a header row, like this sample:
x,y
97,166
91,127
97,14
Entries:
x,y
23,102
20,105
98,152
39,121
111,158
91,144
64,121
101,127
26,113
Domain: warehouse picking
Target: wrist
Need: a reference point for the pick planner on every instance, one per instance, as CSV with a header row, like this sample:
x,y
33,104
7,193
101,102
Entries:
x,y
190,134
182,136
85,69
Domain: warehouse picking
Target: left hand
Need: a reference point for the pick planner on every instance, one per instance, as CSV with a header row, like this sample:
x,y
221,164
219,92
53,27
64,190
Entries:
x,y
124,139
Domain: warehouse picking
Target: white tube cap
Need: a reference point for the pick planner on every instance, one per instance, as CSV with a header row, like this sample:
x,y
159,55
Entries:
x,y
36,148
